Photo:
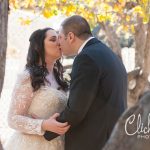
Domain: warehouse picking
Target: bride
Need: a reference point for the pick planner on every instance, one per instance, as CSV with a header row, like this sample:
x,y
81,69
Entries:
x,y
40,91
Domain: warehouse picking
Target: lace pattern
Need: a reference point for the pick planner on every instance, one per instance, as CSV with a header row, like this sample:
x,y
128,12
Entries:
x,y
25,103
18,117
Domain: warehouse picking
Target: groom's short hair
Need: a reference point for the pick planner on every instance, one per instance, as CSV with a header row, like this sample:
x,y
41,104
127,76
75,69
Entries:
x,y
78,25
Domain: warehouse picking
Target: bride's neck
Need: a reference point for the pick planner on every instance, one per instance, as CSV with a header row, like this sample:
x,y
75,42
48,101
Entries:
x,y
50,65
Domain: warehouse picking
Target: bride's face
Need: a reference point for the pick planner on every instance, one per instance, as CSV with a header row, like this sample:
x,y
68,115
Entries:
x,y
51,45
64,43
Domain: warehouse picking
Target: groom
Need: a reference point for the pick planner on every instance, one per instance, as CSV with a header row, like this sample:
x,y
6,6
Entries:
x,y
98,88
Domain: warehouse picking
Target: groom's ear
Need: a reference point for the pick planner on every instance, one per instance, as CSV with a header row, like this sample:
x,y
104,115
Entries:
x,y
71,36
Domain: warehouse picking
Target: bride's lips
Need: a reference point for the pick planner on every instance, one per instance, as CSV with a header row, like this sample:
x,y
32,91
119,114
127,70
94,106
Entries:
x,y
60,49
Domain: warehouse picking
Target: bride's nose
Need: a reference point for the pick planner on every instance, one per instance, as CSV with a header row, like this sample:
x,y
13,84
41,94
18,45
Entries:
x,y
57,42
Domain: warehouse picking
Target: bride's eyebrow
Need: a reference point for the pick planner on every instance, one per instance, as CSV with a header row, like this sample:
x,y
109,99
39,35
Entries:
x,y
53,37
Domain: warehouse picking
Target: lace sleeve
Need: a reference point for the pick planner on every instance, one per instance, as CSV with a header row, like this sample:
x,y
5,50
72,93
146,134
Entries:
x,y
18,117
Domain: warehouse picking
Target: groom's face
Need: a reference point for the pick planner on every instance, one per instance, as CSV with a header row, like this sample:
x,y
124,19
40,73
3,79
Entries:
x,y
64,43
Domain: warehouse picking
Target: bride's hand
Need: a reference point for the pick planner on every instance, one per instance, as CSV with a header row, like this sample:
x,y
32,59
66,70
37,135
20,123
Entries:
x,y
53,125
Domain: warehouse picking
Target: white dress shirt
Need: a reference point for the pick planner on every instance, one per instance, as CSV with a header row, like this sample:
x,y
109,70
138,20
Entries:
x,y
81,47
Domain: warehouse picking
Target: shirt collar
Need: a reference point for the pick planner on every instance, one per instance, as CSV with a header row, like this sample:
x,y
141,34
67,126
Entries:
x,y
81,47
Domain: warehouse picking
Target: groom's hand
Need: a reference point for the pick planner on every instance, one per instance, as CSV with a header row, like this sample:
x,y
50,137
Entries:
x,y
53,125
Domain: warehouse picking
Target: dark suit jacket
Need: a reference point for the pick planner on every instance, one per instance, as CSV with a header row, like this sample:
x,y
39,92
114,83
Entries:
x,y
98,93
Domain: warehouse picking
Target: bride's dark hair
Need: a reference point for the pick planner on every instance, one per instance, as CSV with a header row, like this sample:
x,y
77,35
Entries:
x,y
36,53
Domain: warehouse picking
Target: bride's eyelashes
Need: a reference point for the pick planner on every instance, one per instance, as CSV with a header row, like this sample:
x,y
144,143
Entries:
x,y
53,39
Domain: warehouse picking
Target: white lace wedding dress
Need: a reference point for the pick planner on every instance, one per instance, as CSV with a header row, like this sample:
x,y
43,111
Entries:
x,y
43,103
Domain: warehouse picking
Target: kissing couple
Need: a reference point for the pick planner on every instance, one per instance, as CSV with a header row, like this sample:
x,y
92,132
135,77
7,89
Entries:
x,y
41,112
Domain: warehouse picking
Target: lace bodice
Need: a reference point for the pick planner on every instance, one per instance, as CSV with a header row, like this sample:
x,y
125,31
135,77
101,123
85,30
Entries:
x,y
25,103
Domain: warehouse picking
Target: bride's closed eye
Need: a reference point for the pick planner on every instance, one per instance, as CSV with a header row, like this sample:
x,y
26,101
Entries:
x,y
53,38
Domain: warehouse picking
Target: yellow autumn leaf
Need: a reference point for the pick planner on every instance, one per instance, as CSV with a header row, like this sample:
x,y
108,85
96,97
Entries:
x,y
144,1
108,18
125,28
121,1
29,3
88,2
40,3
68,13
24,21
70,10
137,9
64,1
91,4
27,21
101,18
146,19
132,28
80,8
49,3
63,10
107,1
106,7
54,7
47,13
14,4
128,18
117,8
91,16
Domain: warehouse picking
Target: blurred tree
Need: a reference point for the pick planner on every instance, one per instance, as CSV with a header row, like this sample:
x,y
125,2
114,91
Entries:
x,y
114,17
1,148
3,39
3,42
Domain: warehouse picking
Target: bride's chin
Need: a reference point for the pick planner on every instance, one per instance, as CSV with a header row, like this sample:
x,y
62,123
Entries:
x,y
59,57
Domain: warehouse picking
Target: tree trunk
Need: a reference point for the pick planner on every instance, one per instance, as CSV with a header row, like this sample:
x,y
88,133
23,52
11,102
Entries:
x,y
112,38
3,39
142,59
1,148
3,42
140,41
